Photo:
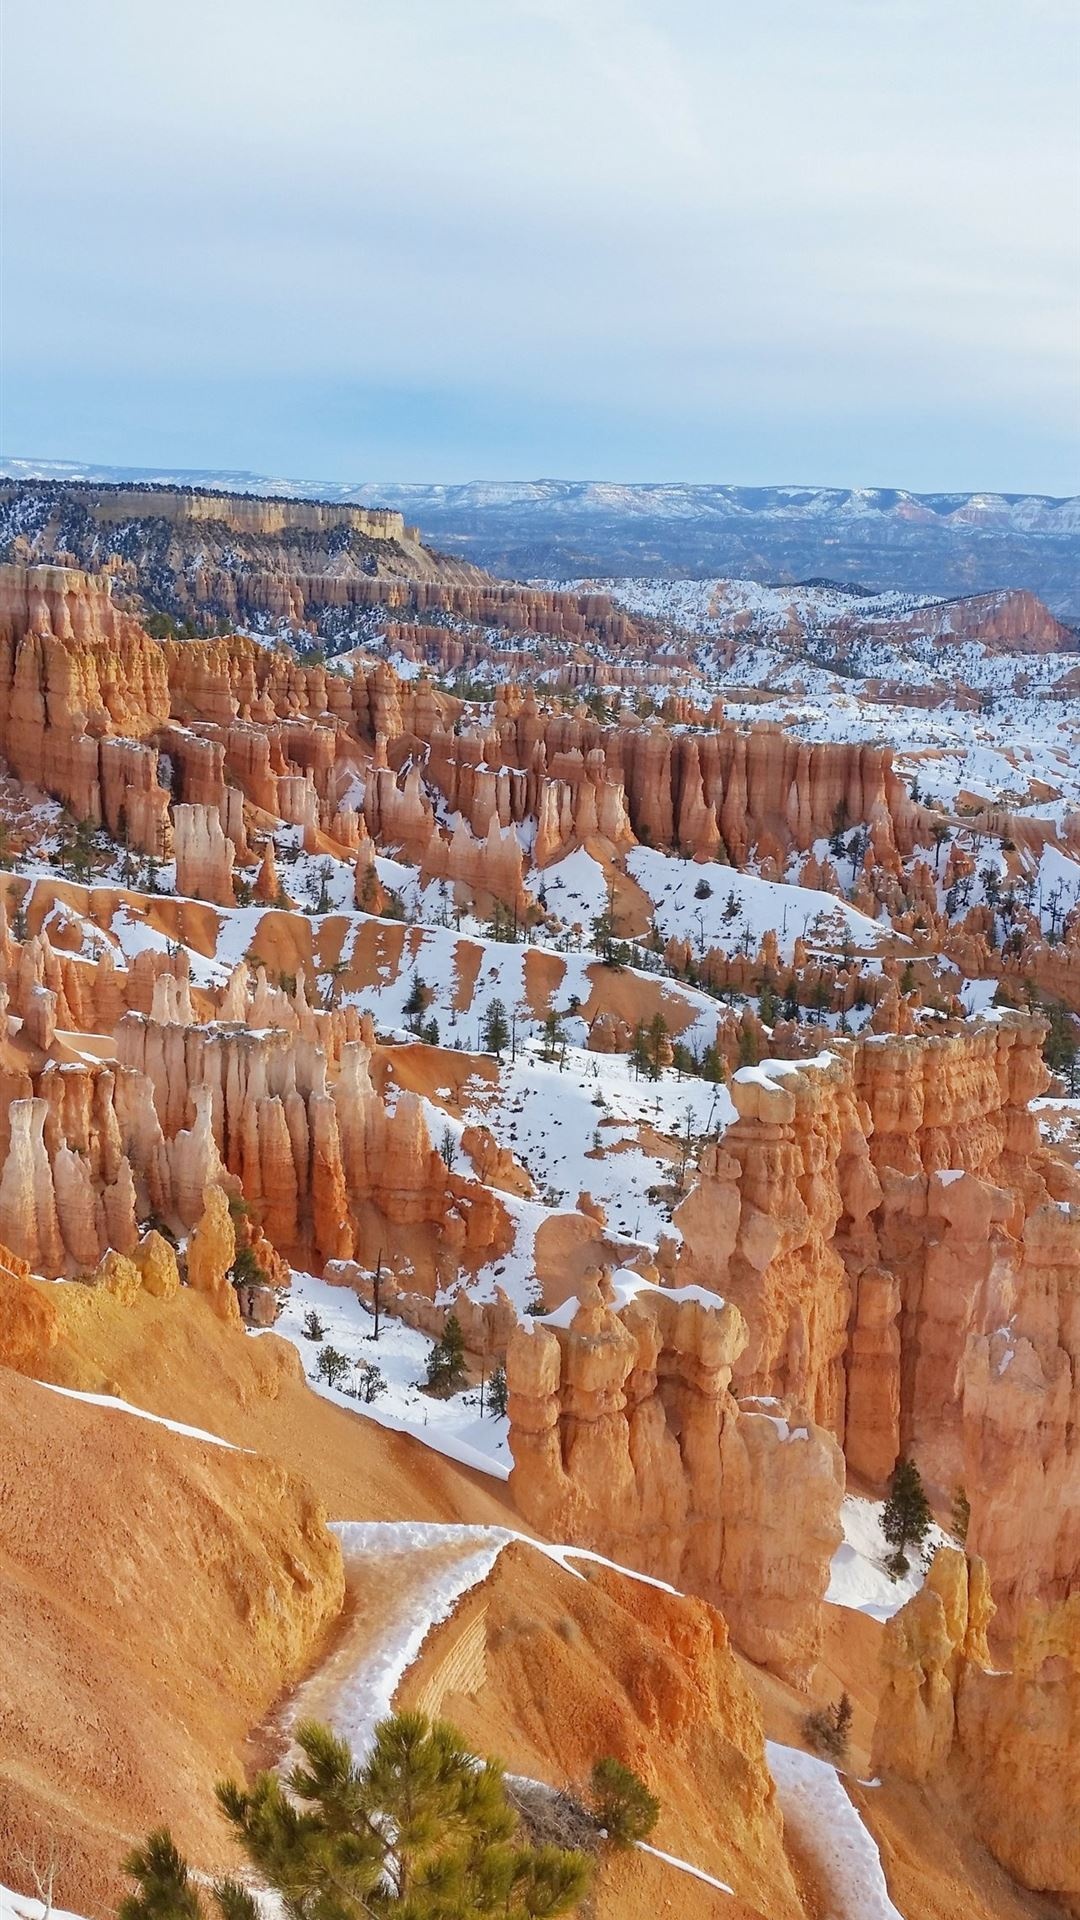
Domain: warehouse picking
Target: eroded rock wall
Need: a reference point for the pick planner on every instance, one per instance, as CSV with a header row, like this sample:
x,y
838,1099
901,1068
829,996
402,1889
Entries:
x,y
627,1439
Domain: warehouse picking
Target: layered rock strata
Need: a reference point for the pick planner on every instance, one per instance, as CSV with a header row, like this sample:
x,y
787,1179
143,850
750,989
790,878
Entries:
x,y
627,1439
906,1257
1011,1735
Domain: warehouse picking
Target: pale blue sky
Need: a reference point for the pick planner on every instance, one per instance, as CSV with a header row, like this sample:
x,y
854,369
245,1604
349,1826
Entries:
x,y
822,241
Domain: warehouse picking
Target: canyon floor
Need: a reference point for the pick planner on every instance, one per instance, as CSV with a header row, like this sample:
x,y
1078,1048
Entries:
x,y
673,985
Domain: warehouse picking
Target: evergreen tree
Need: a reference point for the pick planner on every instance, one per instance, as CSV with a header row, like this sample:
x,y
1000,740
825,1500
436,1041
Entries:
x,y
907,1518
1060,1046
166,1890
658,1034
332,1366
622,1804
454,1348
712,1066
421,1830
553,1037
497,1393
416,1002
836,838
496,1031
446,1361
246,1270
9,857
748,1047
370,1381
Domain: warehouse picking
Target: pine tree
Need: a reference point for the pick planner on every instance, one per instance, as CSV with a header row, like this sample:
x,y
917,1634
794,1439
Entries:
x,y
768,1004
422,1830
453,1343
553,1036
496,1030
622,1804
446,1361
497,1394
416,1002
712,1066
748,1047
165,1887
658,1034
1060,1047
906,1519
332,1366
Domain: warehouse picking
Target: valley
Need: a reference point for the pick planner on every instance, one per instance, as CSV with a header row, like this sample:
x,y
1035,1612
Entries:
x,y
524,1104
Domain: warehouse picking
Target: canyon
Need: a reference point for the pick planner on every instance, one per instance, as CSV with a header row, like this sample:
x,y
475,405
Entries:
x,y
714,1077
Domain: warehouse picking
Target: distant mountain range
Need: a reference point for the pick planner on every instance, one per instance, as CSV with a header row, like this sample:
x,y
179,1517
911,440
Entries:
x,y
932,543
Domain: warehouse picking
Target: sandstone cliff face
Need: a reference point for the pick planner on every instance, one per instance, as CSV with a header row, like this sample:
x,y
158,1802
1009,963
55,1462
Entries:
x,y
1011,1735
1019,1735
929,1652
245,725
279,1106
627,1439
204,856
726,790
73,670
897,1241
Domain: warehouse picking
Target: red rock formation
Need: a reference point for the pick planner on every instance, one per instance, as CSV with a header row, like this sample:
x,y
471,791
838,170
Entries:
x,y
898,1243
204,856
626,1439
210,1254
1019,1738
72,671
929,1650
1011,1736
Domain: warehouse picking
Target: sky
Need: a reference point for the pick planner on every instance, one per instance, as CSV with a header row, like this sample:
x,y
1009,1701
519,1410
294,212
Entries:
x,y
830,242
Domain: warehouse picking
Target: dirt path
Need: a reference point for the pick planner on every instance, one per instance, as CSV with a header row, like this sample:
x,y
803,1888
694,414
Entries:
x,y
401,1579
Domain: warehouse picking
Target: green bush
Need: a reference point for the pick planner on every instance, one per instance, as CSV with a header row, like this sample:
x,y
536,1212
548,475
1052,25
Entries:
x,y
621,1803
421,1830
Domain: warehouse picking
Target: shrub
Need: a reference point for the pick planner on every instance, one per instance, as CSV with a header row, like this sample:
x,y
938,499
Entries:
x,y
246,1270
370,1381
312,1328
828,1729
961,1515
621,1803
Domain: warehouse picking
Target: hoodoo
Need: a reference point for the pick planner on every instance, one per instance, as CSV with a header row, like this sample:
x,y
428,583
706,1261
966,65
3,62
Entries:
x,y
516,1153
